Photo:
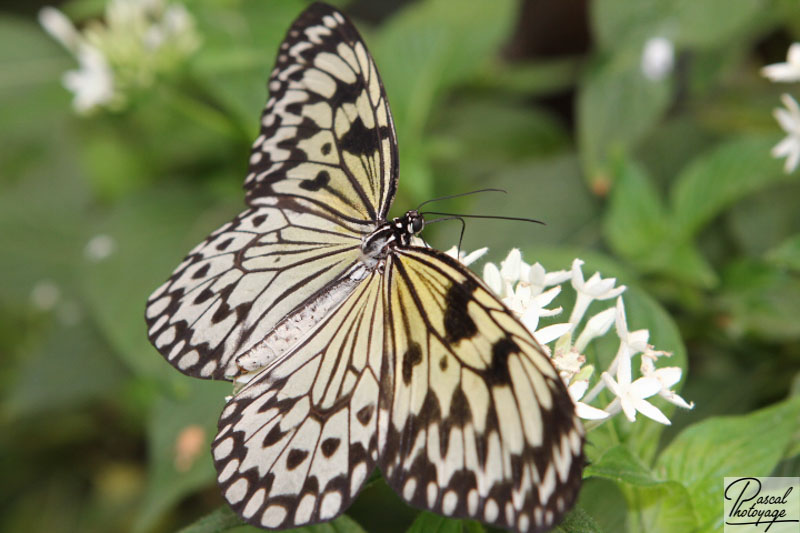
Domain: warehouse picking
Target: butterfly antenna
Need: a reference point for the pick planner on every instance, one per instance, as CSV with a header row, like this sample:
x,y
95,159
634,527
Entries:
x,y
451,196
491,217
463,227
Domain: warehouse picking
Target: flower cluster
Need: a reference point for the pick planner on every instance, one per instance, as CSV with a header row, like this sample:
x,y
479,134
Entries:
x,y
788,118
528,290
135,42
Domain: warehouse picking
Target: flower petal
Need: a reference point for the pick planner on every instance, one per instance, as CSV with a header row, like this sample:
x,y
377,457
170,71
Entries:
x,y
651,411
491,275
587,412
645,387
510,268
548,334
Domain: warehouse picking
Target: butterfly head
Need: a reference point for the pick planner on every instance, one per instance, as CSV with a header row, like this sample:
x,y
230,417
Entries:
x,y
411,223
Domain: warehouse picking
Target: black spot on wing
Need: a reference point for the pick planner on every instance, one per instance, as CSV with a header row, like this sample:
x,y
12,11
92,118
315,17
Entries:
x,y
460,414
330,445
411,358
497,373
322,180
296,458
364,415
204,295
457,322
224,244
202,271
274,435
359,140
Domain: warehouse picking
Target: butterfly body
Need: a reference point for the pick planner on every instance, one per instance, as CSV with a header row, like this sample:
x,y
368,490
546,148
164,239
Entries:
x,y
358,348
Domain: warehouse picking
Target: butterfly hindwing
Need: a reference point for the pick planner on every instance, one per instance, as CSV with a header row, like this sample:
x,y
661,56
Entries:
x,y
480,424
297,443
244,280
326,134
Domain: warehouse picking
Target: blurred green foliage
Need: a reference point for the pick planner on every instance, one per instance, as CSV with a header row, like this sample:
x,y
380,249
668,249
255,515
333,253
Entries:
x,y
668,185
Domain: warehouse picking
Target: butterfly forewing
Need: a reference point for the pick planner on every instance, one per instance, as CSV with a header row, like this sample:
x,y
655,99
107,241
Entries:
x,y
297,443
241,282
326,134
479,423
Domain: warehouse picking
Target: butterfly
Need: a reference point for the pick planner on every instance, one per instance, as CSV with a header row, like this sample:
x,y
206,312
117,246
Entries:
x,y
359,349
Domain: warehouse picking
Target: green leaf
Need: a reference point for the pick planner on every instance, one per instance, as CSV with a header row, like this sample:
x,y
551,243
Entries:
x,y
686,264
635,224
443,43
616,106
427,522
618,23
713,22
666,507
31,65
620,465
497,131
224,519
720,177
787,254
575,221
578,521
760,298
221,519
703,454
542,77
604,502
69,367
42,225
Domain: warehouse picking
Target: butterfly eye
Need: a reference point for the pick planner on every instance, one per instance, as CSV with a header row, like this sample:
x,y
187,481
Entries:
x,y
417,224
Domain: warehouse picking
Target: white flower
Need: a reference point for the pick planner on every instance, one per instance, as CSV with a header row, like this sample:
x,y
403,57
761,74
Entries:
x,y
93,83
527,290
789,119
631,396
788,71
136,41
596,288
569,363
59,27
99,247
667,377
466,258
658,58
539,279
597,326
45,295
636,341
583,410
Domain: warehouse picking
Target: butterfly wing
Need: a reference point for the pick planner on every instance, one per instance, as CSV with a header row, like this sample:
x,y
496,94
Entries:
x,y
297,443
243,281
479,423
327,134
322,175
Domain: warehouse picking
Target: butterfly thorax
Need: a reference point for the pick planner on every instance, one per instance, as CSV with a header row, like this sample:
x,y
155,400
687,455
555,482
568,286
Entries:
x,y
395,232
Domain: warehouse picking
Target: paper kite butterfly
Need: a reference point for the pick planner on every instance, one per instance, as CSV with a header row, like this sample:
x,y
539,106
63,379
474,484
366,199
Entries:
x,y
361,348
